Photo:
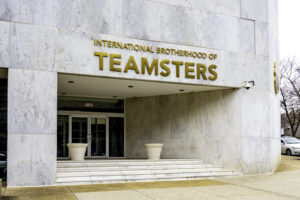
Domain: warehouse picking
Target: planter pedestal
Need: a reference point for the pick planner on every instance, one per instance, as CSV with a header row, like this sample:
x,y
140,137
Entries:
x,y
77,151
153,151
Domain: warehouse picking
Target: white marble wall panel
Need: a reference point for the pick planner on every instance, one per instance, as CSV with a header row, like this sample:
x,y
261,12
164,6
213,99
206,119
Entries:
x,y
229,7
32,101
74,15
32,125
203,29
255,10
94,16
275,119
32,47
273,36
141,19
261,38
173,27
106,15
275,152
273,30
31,12
258,70
31,159
260,101
213,148
69,15
257,155
4,44
223,32
232,156
275,134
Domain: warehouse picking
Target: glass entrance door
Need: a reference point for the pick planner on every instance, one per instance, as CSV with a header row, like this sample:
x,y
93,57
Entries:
x,y
97,137
116,137
93,131
104,134
62,136
79,129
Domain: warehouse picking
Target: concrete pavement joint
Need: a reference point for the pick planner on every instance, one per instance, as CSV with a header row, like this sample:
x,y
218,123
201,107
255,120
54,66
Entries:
x,y
72,192
144,194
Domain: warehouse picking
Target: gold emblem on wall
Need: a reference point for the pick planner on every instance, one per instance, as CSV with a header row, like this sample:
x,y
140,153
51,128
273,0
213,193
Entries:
x,y
276,79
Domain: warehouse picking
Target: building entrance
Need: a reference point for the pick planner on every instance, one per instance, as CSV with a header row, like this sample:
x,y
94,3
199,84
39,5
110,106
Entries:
x,y
104,133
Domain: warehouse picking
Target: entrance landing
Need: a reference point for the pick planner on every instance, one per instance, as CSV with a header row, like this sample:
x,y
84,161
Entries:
x,y
139,170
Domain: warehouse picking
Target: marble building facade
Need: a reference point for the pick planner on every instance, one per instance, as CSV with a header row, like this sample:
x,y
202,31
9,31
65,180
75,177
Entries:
x,y
219,121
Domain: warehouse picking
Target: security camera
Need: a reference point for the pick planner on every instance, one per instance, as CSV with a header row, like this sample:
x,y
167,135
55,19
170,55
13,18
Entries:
x,y
248,84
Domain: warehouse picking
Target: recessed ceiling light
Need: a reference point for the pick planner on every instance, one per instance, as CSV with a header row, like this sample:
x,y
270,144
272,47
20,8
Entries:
x,y
181,90
63,93
70,81
130,86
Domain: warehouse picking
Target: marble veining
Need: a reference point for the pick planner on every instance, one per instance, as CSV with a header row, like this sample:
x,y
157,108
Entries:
x,y
32,101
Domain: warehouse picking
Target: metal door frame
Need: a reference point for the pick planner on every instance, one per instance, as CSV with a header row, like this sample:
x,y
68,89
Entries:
x,y
90,135
68,157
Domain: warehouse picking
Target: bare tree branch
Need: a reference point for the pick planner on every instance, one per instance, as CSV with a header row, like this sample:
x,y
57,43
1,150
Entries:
x,y
290,92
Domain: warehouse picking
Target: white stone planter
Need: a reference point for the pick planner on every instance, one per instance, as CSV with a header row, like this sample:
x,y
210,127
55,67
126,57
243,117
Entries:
x,y
77,150
153,151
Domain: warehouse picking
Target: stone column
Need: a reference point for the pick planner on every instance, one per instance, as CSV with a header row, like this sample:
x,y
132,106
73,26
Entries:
x,y
32,120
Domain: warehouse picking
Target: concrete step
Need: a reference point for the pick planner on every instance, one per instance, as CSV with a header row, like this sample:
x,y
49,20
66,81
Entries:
x,y
145,167
119,171
133,172
140,178
127,160
124,163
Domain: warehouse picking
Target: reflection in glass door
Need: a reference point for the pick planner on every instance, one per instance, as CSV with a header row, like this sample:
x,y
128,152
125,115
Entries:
x,y
97,141
79,129
62,135
116,137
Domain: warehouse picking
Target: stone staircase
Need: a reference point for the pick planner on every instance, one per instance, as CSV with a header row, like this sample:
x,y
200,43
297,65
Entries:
x,y
121,171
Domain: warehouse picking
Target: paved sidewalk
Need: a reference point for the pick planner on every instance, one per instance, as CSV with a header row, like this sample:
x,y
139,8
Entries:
x,y
284,184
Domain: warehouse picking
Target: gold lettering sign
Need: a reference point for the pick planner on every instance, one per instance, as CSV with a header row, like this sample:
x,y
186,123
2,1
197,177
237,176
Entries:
x,y
155,66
